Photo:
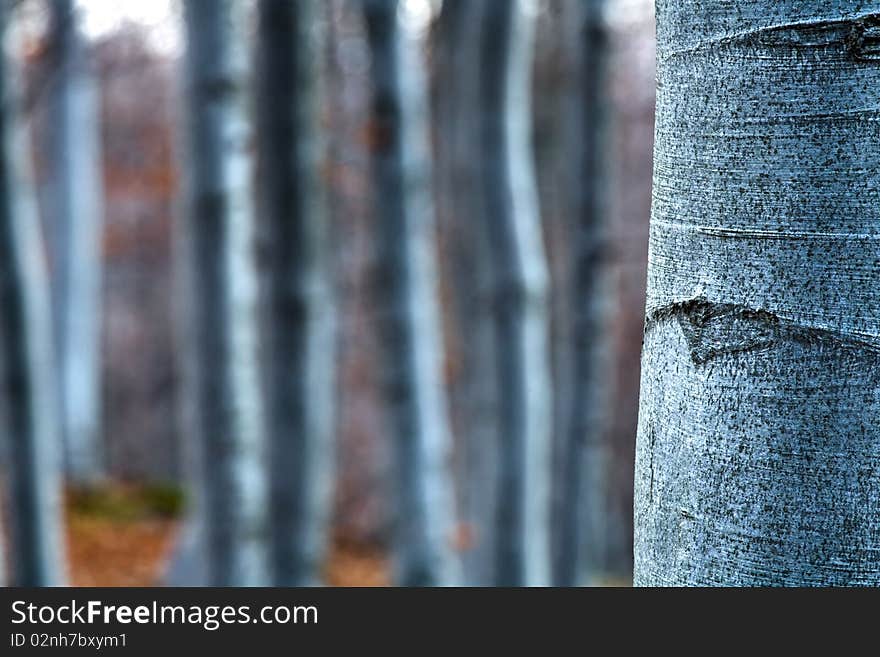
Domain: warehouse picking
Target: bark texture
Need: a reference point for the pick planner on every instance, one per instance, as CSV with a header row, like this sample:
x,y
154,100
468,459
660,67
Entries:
x,y
300,363
407,289
222,384
519,295
75,240
758,457
31,422
586,456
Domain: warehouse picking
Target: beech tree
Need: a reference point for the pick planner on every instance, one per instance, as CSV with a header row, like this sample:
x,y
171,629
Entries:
x,y
222,379
31,421
758,443
473,386
519,295
75,240
407,306
585,462
300,335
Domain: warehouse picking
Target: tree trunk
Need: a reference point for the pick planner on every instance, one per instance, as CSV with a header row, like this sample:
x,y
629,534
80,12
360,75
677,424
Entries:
x,y
222,384
759,447
519,298
586,458
467,263
27,358
75,240
300,327
407,307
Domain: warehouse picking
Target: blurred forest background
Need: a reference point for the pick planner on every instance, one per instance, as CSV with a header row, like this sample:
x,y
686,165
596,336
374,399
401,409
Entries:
x,y
127,512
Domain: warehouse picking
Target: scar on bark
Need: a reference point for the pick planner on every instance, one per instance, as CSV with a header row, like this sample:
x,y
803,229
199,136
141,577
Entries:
x,y
858,37
863,43
714,329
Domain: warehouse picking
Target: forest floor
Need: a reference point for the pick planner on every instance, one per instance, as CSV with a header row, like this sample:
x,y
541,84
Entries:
x,y
124,535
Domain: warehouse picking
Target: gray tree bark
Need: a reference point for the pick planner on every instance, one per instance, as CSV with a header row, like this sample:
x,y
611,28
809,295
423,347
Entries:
x,y
75,241
222,378
519,296
759,444
586,458
467,266
407,307
301,338
31,421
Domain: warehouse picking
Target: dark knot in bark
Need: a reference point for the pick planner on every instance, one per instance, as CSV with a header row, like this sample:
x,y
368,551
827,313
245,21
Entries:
x,y
713,329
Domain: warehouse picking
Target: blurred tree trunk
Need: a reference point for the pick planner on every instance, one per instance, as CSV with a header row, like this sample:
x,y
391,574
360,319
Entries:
x,y
586,458
759,445
467,267
519,297
75,242
300,323
222,384
38,552
407,289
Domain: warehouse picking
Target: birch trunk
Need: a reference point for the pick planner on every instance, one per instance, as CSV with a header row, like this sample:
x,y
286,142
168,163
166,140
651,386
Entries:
x,y
222,385
300,315
759,444
407,289
519,298
586,457
75,244
31,422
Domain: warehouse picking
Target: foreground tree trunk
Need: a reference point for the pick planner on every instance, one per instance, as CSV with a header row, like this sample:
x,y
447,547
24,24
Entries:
x,y
222,385
300,316
586,458
467,267
407,304
759,447
519,280
38,554
77,206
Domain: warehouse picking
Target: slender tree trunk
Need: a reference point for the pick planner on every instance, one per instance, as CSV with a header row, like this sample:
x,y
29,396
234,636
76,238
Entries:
x,y
467,261
222,385
300,316
27,358
759,444
75,245
586,459
407,304
519,296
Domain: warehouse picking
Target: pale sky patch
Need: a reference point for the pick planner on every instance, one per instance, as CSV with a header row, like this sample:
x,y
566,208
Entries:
x,y
159,17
